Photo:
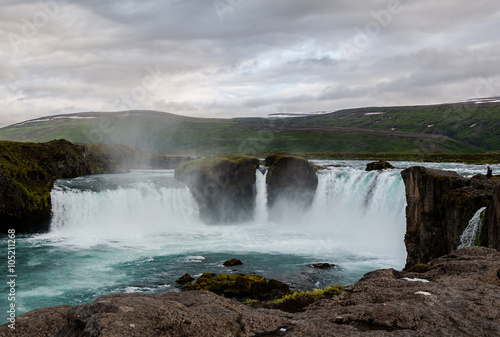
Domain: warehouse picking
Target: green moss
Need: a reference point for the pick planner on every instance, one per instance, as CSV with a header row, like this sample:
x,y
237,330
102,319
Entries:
x,y
313,295
206,165
418,268
273,160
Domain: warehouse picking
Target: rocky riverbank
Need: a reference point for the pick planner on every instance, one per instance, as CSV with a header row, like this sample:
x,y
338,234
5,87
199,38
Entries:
x,y
455,295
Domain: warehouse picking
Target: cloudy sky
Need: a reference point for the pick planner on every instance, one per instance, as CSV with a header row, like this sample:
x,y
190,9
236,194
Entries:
x,y
228,58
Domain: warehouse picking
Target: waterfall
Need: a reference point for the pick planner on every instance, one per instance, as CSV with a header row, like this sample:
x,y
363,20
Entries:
x,y
352,210
140,209
364,209
468,237
261,197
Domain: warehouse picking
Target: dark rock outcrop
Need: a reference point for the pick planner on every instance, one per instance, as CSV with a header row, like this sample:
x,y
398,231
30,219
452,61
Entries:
x,y
323,265
223,187
27,174
290,180
440,205
232,262
379,165
490,233
457,295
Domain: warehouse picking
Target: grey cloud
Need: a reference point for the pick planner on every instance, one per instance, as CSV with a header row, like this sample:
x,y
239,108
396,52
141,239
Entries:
x,y
252,58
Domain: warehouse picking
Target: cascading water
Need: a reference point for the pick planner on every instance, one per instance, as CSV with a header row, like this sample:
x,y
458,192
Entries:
x,y
261,197
468,237
361,209
141,231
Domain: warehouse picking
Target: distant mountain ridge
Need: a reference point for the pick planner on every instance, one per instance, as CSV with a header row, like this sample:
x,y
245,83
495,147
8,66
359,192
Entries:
x,y
466,127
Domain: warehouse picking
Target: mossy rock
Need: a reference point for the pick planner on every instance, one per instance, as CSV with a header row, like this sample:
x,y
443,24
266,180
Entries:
x,y
233,262
241,286
298,301
419,268
186,278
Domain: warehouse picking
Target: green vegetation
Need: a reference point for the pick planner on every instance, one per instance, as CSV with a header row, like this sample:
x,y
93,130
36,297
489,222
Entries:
x,y
413,130
314,295
206,165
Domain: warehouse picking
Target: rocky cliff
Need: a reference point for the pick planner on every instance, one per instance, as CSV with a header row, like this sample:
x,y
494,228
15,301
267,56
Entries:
x,y
440,205
290,180
491,232
455,295
27,175
28,172
223,187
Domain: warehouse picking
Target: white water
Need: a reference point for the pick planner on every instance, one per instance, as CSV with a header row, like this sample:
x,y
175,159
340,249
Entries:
x,y
470,232
139,232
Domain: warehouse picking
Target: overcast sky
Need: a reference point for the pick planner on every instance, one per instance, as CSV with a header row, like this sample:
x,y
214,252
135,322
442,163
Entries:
x,y
228,58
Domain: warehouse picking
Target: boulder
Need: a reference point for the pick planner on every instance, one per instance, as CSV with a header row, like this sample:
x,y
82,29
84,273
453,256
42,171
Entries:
x,y
233,262
290,180
186,278
439,207
323,265
241,286
379,165
223,187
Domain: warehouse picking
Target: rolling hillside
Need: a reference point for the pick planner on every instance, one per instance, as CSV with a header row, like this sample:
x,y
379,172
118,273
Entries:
x,y
447,128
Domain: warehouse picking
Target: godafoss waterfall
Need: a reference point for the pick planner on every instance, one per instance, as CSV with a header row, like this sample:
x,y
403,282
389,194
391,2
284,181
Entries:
x,y
140,231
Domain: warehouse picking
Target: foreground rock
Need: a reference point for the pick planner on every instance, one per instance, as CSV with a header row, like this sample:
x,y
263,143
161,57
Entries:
x,y
456,295
290,180
223,187
440,205
379,165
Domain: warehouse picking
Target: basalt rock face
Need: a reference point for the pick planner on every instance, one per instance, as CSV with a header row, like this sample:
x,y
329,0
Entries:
x,y
440,205
27,175
290,180
491,231
223,187
456,295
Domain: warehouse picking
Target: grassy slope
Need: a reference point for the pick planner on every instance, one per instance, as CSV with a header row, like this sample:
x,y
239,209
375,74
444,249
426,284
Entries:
x,y
342,131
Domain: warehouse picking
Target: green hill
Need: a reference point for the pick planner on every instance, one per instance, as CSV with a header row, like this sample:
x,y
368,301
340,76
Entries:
x,y
447,128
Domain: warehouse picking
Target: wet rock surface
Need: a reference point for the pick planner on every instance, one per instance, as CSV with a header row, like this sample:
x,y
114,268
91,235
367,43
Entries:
x,y
440,205
290,180
455,295
223,187
379,165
